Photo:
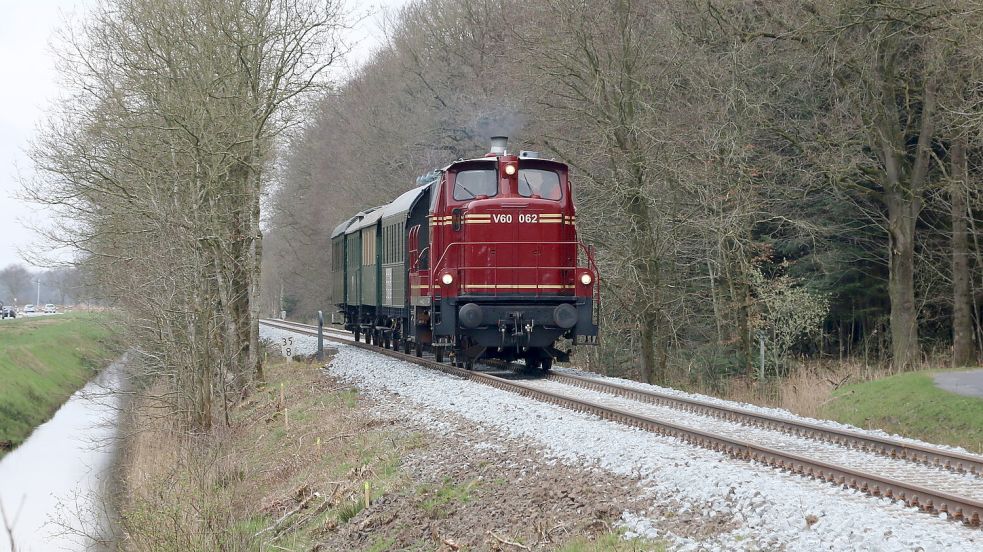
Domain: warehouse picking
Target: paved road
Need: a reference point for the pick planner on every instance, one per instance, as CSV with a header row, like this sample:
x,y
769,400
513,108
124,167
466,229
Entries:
x,y
969,383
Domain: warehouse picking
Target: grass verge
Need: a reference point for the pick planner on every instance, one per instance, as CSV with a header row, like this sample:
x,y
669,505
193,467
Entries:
x,y
911,405
295,463
306,464
43,360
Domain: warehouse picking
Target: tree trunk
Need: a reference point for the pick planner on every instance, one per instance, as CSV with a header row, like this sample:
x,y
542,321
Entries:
x,y
903,198
649,365
662,350
716,307
901,281
255,269
963,349
255,360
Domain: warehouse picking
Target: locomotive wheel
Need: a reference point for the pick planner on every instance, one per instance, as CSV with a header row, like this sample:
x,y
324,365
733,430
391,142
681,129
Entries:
x,y
547,364
386,342
438,354
469,364
406,346
418,349
533,364
356,332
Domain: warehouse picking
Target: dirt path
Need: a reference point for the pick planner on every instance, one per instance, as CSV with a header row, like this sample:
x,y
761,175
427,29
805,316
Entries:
x,y
968,383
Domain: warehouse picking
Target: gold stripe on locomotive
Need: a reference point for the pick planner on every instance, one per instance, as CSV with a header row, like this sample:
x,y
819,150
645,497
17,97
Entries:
x,y
517,286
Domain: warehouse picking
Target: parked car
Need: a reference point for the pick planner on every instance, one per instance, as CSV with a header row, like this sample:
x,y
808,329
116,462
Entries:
x,y
29,309
7,312
50,309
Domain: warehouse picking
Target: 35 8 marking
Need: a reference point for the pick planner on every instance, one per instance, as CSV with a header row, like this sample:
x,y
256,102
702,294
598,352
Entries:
x,y
287,346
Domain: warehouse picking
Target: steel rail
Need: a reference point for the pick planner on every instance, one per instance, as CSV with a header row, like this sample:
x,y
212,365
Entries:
x,y
965,509
308,328
892,448
947,459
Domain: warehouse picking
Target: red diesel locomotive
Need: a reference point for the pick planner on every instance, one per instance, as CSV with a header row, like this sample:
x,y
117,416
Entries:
x,y
481,260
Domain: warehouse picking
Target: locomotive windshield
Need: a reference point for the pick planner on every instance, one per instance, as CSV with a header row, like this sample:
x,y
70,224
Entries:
x,y
539,182
473,183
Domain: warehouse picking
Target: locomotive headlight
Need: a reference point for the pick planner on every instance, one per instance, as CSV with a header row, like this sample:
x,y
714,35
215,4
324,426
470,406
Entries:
x,y
510,169
447,279
586,279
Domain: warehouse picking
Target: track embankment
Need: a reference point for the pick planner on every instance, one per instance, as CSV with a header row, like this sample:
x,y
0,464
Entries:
x,y
926,498
309,462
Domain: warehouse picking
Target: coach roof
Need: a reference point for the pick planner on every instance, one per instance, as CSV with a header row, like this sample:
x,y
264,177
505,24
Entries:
x,y
369,218
404,202
340,229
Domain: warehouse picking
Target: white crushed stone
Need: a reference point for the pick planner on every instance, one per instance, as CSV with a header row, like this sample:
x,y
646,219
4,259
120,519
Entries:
x,y
776,412
963,484
769,507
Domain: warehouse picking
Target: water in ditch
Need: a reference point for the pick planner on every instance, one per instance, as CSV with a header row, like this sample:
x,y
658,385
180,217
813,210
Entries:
x,y
52,486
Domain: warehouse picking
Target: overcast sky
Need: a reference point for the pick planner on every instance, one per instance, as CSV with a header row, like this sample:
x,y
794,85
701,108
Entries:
x,y
30,84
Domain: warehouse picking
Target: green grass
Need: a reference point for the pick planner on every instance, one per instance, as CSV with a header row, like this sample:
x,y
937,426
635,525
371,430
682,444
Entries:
x,y
43,360
443,498
350,509
612,542
911,405
381,544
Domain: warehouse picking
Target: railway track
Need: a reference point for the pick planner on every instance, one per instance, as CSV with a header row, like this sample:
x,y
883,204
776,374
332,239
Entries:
x,y
892,448
933,480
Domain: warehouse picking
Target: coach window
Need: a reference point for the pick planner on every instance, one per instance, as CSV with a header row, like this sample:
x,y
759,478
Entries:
x,y
473,183
539,182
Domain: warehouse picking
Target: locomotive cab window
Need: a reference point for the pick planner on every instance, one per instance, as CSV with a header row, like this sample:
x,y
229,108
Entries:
x,y
476,182
539,182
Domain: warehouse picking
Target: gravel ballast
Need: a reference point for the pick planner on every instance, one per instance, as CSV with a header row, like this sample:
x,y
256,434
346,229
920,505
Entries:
x,y
765,508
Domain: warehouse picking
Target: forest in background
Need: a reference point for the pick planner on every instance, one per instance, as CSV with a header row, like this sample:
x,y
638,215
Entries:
x,y
800,178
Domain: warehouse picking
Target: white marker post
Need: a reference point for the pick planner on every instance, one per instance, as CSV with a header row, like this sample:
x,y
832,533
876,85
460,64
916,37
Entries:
x,y
287,346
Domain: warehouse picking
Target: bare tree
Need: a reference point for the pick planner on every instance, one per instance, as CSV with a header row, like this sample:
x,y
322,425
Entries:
x,y
711,143
16,281
885,67
160,158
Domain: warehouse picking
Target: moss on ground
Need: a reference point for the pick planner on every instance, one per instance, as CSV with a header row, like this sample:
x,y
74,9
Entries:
x,y
911,405
43,360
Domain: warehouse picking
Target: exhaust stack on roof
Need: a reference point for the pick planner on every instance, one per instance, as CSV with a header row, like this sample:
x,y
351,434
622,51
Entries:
x,y
498,144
